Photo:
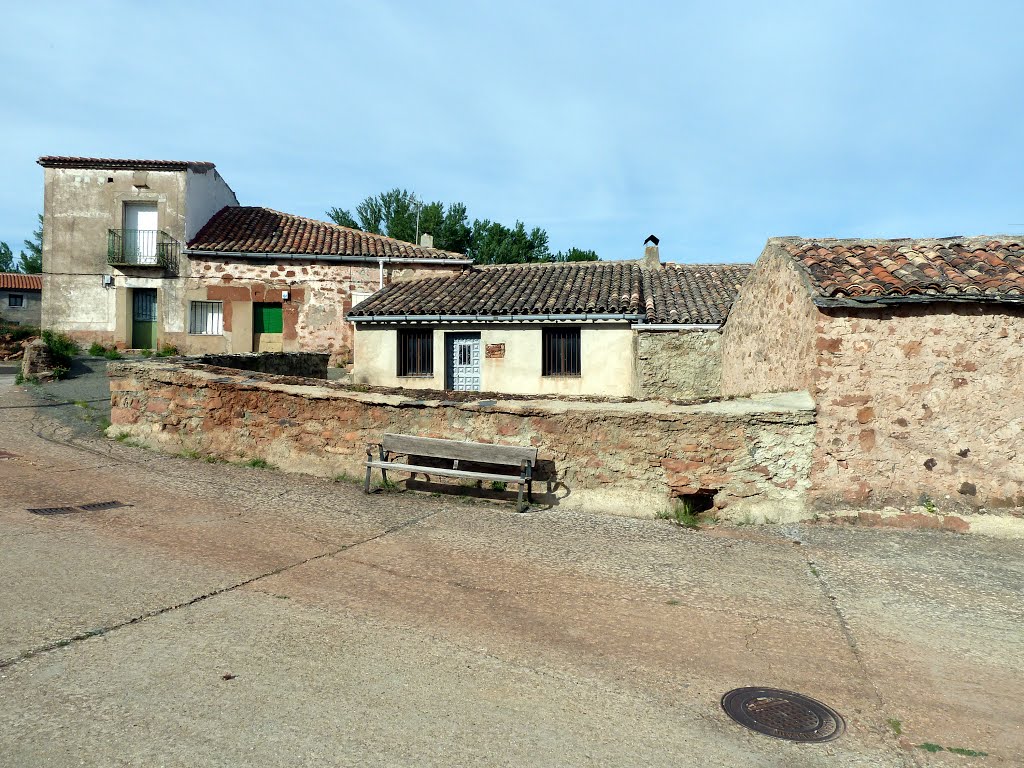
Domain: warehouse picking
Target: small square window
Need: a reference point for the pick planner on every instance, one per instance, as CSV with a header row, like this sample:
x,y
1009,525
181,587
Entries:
x,y
16,300
206,318
416,353
560,352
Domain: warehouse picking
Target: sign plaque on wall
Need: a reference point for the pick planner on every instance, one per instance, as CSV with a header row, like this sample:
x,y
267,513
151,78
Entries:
x,y
494,350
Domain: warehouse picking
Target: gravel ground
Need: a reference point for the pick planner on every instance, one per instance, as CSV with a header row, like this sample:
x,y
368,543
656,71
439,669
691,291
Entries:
x,y
235,616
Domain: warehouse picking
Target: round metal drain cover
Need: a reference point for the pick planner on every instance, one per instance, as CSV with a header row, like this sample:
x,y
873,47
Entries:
x,y
783,714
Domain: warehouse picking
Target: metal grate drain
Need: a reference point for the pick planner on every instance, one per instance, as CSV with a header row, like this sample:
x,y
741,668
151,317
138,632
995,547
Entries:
x,y
783,714
53,510
100,505
95,506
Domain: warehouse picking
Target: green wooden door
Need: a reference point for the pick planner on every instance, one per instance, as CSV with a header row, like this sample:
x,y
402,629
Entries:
x,y
267,318
143,318
267,328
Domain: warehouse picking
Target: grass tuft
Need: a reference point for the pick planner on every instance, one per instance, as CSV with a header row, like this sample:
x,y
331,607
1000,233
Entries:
x,y
929,747
895,726
966,752
259,464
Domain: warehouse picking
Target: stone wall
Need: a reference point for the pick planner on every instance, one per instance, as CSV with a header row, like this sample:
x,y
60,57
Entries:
x,y
623,458
314,315
310,365
678,365
768,339
920,402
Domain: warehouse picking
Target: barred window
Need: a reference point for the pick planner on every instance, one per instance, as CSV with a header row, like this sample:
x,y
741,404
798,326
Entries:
x,y
416,353
561,352
206,318
15,300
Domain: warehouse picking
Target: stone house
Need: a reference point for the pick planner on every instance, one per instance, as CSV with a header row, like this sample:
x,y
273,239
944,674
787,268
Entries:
x,y
618,329
20,298
911,350
141,253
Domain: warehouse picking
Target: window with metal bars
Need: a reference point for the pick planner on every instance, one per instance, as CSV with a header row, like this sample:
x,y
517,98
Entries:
x,y
206,318
560,352
416,353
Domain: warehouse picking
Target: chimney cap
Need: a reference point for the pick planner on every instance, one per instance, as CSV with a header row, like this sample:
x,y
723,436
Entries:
x,y
652,239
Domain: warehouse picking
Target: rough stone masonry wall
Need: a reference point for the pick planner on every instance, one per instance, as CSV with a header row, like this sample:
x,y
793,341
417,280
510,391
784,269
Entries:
x,y
920,401
624,458
321,294
768,339
678,365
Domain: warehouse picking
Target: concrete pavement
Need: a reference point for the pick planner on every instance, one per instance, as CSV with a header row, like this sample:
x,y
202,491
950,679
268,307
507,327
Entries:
x,y
236,616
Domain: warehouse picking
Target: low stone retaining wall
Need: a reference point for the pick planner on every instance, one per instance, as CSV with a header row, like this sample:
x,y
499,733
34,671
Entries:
x,y
626,458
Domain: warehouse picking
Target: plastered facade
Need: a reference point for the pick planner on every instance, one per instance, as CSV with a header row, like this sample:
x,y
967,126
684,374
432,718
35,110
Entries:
x,y
84,296
30,311
606,359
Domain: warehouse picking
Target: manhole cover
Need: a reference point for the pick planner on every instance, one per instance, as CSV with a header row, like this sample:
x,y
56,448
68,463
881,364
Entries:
x,y
783,714
99,505
53,510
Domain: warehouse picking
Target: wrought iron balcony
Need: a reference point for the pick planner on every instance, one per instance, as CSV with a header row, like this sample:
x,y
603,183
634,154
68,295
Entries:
x,y
141,248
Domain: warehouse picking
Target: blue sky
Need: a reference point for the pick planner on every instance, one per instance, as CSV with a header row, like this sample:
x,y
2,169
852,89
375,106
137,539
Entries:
x,y
712,125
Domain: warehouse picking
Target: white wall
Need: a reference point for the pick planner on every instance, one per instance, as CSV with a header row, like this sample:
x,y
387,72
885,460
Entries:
x,y
205,194
606,354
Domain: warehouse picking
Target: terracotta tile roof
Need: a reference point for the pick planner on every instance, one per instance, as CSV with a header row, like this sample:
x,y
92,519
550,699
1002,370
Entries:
x,y
54,161
692,293
16,281
988,268
249,229
675,293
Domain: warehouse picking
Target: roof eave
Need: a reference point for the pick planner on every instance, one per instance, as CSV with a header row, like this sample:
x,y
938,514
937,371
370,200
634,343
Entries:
x,y
867,302
273,256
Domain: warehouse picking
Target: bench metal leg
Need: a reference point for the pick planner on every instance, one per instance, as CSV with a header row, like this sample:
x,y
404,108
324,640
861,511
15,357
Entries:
x,y
519,503
366,483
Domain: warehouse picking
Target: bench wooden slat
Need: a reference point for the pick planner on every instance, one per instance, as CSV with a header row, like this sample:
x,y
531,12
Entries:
x,y
456,449
444,472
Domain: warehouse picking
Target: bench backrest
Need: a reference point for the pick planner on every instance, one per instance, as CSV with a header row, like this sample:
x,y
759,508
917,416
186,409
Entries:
x,y
484,453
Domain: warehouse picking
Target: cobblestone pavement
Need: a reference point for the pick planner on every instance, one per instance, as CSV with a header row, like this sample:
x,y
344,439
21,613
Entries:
x,y
235,616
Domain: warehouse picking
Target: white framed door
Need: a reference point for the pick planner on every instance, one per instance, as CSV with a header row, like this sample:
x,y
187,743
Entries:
x,y
462,356
140,232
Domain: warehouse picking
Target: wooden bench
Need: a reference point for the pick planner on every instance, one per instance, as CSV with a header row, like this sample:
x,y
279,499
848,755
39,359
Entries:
x,y
455,451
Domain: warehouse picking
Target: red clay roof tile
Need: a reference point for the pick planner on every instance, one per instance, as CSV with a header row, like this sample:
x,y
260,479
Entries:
x,y
673,293
980,268
16,281
251,229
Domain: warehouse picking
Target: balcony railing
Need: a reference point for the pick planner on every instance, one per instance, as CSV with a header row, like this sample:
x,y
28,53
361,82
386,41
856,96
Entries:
x,y
141,248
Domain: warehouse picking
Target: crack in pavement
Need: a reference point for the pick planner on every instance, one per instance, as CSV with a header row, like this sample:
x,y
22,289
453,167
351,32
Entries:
x,y
82,636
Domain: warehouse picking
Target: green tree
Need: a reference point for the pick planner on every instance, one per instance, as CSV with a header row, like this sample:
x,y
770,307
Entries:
x,y
576,254
6,258
32,262
494,243
342,217
393,213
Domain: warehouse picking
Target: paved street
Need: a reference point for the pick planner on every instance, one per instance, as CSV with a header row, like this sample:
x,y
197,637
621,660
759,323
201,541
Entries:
x,y
230,616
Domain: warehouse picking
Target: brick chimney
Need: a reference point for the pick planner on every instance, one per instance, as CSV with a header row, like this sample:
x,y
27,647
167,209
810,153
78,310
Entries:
x,y
652,258
426,240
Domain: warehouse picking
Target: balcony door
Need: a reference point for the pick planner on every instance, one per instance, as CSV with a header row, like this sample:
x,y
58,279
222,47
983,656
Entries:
x,y
140,233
